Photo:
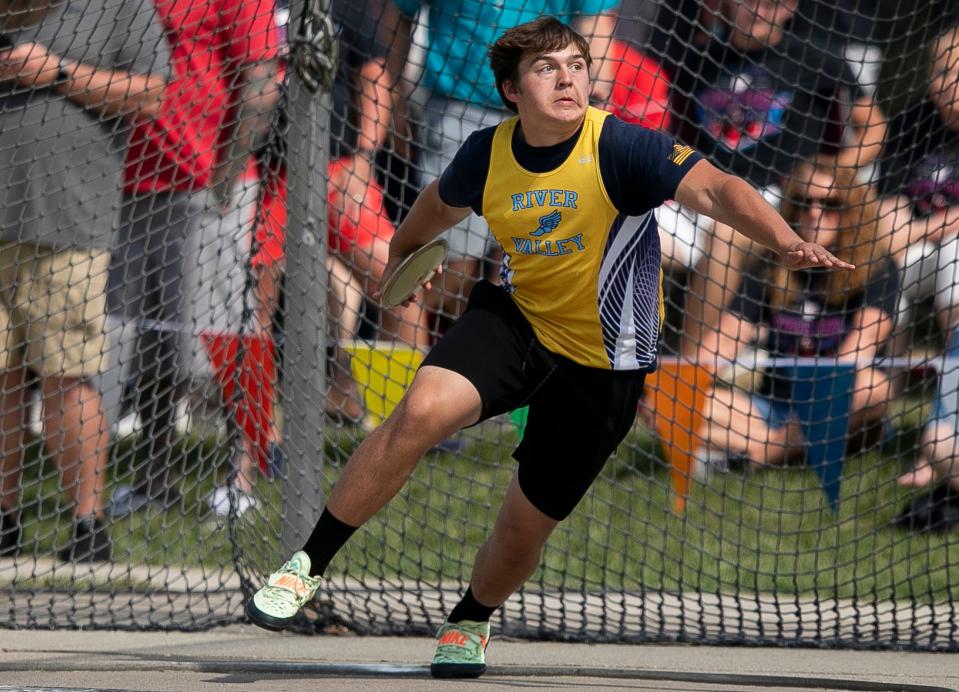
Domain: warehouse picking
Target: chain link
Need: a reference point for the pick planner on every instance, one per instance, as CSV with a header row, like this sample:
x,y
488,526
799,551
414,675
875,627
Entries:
x,y
314,47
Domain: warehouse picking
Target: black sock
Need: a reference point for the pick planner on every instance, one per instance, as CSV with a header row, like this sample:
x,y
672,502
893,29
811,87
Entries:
x,y
471,609
329,535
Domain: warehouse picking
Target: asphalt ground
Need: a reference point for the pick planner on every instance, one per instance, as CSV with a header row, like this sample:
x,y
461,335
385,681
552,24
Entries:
x,y
246,658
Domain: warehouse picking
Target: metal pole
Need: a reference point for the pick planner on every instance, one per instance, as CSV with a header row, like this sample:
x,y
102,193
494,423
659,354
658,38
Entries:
x,y
304,354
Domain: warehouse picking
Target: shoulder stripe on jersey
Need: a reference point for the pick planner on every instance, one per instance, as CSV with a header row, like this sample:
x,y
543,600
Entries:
x,y
680,153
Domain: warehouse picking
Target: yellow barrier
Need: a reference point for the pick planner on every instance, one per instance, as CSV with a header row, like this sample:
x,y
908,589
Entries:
x,y
383,371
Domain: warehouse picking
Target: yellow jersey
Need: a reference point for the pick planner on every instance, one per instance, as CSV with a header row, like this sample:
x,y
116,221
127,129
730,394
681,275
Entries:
x,y
585,275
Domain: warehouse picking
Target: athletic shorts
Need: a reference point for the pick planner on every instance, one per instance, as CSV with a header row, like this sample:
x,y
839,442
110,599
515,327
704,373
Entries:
x,y
577,415
775,412
53,309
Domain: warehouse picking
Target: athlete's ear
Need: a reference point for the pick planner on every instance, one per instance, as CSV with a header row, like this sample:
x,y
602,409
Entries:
x,y
512,93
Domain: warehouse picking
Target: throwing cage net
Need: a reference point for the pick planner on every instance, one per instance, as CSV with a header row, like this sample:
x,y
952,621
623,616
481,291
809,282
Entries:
x,y
197,204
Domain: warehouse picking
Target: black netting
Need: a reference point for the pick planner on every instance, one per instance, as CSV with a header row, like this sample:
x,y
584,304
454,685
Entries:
x,y
192,351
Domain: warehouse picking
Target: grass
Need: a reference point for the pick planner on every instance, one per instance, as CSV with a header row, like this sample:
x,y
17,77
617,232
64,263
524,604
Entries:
x,y
183,536
769,531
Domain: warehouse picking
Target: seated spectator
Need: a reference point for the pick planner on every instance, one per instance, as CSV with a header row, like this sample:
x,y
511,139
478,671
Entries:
x,y
938,458
919,184
360,227
640,90
807,314
60,133
755,98
363,245
344,304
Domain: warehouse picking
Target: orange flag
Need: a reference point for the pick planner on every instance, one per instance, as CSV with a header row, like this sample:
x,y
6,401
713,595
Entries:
x,y
676,394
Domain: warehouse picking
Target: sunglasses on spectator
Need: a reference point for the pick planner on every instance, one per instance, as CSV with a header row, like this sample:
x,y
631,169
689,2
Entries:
x,y
824,203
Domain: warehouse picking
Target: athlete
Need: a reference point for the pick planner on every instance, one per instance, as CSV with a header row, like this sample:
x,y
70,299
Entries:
x,y
569,192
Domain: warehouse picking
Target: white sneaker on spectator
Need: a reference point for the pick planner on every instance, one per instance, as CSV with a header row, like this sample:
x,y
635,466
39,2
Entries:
x,y
36,413
219,501
747,371
126,425
707,462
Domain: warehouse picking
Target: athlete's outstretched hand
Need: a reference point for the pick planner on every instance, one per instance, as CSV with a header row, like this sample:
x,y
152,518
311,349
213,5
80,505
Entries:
x,y
805,255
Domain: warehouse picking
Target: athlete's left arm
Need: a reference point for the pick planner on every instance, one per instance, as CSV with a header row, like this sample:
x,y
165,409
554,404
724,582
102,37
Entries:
x,y
732,201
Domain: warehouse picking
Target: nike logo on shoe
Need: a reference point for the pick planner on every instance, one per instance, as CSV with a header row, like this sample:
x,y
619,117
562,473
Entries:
x,y
453,637
291,582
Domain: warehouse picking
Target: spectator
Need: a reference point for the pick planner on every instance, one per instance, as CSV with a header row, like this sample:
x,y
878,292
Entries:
x,y
245,363
919,182
62,106
344,302
635,20
181,168
851,35
640,93
359,225
808,313
640,90
757,99
463,98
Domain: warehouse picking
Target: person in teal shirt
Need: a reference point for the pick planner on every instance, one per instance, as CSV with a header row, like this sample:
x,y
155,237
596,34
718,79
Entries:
x,y
463,98
461,31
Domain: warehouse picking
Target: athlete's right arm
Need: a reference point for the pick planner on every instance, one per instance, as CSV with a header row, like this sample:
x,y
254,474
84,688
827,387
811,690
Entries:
x,y
428,217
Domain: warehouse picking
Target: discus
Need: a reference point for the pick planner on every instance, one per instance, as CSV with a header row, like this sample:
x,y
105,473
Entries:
x,y
414,271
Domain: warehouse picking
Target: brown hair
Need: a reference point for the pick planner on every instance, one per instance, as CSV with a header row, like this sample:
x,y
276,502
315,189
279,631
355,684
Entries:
x,y
542,35
860,240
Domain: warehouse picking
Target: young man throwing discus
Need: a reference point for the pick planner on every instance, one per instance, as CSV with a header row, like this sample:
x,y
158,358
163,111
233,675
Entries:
x,y
569,192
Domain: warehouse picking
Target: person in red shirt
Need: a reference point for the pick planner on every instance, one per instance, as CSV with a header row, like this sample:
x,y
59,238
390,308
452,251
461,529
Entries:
x,y
183,171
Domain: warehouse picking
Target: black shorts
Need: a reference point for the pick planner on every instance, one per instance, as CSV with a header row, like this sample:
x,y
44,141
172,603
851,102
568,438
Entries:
x,y
577,415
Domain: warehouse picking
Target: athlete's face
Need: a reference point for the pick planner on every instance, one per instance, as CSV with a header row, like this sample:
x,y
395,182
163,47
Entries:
x,y
552,89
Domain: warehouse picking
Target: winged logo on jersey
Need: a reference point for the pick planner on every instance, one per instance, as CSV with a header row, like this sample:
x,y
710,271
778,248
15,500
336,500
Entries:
x,y
547,224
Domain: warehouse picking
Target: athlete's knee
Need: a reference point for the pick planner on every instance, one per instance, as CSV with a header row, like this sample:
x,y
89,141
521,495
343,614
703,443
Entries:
x,y
516,542
440,410
417,411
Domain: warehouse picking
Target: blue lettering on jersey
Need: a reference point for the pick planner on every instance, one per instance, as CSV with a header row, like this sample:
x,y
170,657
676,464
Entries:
x,y
549,248
541,198
547,224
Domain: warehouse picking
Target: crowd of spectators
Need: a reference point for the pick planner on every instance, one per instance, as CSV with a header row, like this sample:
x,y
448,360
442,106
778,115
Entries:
x,y
169,201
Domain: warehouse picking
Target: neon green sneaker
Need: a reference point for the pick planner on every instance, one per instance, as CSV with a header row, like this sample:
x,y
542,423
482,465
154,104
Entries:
x,y
460,650
289,588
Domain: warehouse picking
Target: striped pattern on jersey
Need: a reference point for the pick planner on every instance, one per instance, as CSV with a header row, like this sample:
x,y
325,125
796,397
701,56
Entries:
x,y
585,276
